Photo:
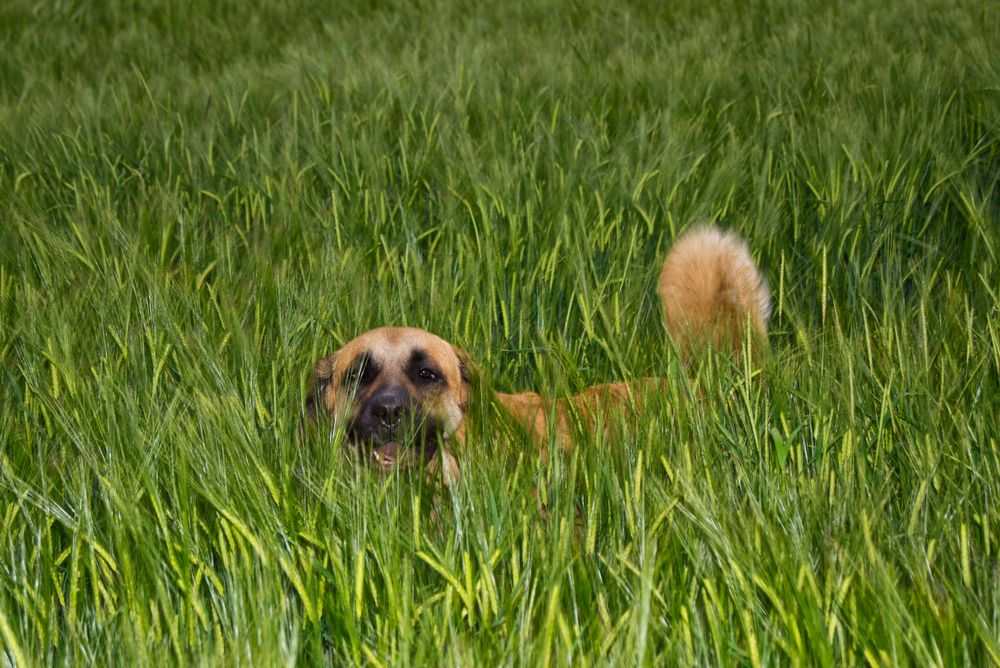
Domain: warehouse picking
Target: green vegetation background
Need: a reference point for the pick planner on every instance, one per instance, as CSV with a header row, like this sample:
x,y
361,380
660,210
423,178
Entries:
x,y
199,198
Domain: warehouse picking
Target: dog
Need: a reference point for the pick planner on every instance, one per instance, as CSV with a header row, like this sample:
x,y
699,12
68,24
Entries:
x,y
401,394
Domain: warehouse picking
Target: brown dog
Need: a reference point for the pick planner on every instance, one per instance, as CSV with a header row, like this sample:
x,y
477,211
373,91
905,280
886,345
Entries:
x,y
401,393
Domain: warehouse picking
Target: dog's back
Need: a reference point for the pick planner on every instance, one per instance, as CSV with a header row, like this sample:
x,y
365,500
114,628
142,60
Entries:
x,y
711,291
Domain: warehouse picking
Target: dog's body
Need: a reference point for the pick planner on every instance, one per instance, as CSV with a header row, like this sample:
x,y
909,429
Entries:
x,y
401,393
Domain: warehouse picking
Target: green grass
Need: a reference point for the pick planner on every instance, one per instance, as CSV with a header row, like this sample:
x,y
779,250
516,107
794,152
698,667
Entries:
x,y
199,199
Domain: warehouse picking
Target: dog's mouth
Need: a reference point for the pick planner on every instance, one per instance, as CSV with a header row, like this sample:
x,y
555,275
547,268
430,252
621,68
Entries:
x,y
408,442
387,451
390,454
385,455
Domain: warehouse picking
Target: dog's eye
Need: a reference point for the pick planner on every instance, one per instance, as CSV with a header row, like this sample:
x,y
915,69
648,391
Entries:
x,y
427,375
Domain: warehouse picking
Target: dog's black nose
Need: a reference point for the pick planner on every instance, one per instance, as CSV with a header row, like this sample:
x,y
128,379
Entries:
x,y
388,407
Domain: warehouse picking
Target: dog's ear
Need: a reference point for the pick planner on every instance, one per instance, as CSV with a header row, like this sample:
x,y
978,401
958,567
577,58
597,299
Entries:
x,y
470,372
471,375
322,377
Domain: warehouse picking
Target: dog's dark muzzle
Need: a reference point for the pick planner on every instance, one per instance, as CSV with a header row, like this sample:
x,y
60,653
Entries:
x,y
390,427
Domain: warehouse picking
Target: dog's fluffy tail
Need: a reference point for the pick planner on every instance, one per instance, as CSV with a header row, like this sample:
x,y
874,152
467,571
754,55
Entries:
x,y
712,292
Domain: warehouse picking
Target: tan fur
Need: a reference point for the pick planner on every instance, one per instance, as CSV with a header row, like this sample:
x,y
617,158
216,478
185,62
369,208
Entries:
x,y
711,292
598,405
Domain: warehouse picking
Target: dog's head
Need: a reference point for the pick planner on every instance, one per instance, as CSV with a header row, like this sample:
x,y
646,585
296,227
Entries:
x,y
398,392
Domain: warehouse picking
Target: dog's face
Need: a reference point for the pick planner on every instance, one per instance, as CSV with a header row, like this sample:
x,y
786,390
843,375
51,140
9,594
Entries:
x,y
398,392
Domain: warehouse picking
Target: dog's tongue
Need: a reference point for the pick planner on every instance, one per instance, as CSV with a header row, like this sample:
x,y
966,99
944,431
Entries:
x,y
385,454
